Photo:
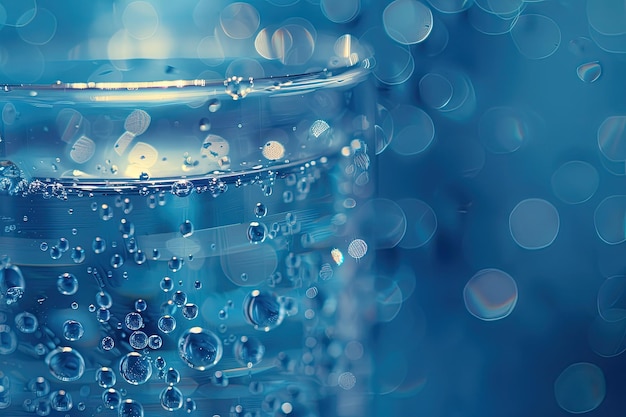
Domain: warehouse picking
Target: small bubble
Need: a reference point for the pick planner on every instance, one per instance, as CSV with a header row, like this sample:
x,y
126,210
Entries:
x,y
43,246
167,284
222,314
167,324
257,232
357,248
155,341
103,315
55,253
179,298
92,308
140,305
105,377
175,264
190,311
116,260
138,339
78,254
74,232
204,125
133,321
260,210
99,245
74,305
197,285
73,330
103,299
186,228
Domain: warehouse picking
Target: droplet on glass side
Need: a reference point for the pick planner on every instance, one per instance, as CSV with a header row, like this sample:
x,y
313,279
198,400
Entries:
x,y
263,310
40,386
179,298
12,283
141,305
589,72
65,364
135,368
175,264
171,398
26,322
172,376
257,232
105,377
72,330
199,348
186,228
104,299
67,284
167,284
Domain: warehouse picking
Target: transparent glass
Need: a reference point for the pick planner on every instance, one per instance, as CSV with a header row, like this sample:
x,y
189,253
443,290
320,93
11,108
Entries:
x,y
184,245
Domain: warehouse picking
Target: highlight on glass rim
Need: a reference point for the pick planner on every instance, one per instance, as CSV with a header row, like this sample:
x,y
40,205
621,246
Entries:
x,y
312,208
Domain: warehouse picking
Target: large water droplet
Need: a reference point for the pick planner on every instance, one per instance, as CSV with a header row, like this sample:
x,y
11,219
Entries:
x,y
65,364
263,310
135,368
199,348
61,400
171,399
589,72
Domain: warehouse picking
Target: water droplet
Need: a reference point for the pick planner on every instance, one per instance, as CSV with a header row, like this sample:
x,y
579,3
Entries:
x,y
263,310
39,385
133,321
99,245
167,324
248,351
140,305
214,105
105,377
111,399
155,341
55,253
116,260
103,299
74,305
130,408
171,399
12,283
190,311
65,364
199,348
78,254
260,210
589,72
197,285
138,340
67,284
60,401
204,125
186,228
103,315
222,314
26,322
179,298
156,254
135,368
167,284
72,330
172,376
190,406
257,232
43,246
182,188
175,264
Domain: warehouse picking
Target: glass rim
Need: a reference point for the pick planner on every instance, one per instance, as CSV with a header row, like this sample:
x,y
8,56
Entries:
x,y
183,91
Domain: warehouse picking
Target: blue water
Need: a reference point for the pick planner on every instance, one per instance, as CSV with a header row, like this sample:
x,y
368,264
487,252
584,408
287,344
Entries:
x,y
437,231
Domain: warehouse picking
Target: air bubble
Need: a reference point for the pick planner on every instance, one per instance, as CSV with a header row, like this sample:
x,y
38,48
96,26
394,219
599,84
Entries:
x,y
263,310
26,322
190,311
105,377
133,321
199,348
186,228
135,368
65,364
249,351
111,399
155,342
167,324
171,399
257,232
490,295
67,284
61,400
138,340
72,330
167,284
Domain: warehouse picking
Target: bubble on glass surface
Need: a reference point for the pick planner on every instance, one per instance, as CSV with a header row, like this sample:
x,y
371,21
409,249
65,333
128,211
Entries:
x,y
190,311
612,138
155,342
104,299
257,232
248,351
491,294
140,305
138,340
140,19
8,340
166,324
103,315
186,228
580,388
135,368
503,129
77,255
107,343
40,386
111,399
116,261
407,21
105,377
171,399
534,223
199,348
575,182
394,63
414,128
167,284
67,284
133,321
130,408
260,210
38,29
239,20
263,310
340,11
26,322
536,36
589,72
451,6
65,364
61,400
273,150
73,330
421,223
390,225
610,221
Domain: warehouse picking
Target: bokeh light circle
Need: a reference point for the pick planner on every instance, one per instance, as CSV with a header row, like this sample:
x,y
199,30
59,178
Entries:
x,y
575,182
534,223
536,36
407,21
580,388
491,294
421,223
415,130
